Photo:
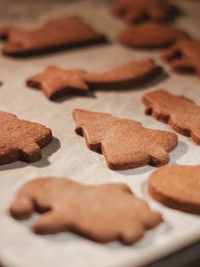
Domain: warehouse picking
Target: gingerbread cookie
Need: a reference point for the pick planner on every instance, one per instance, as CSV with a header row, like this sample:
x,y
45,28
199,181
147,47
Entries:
x,y
150,35
53,35
102,213
125,144
4,31
181,113
133,11
129,74
54,81
177,187
21,140
184,56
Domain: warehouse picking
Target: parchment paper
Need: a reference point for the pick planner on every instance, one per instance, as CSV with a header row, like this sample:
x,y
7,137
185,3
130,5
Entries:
x,y
68,156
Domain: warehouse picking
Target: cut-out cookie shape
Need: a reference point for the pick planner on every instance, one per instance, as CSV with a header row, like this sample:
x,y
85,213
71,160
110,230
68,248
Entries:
x,y
21,140
177,187
54,81
102,213
184,56
150,35
134,11
125,144
56,34
181,113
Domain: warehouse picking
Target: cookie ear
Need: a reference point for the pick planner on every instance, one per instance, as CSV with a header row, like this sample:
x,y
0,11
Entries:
x,y
117,187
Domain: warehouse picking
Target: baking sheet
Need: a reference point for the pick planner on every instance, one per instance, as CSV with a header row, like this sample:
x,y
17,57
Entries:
x,y
68,156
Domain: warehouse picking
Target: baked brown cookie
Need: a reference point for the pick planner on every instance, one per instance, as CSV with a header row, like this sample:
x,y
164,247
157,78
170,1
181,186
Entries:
x,y
102,213
184,56
53,35
54,81
129,74
134,11
21,140
177,187
5,30
125,144
181,113
150,35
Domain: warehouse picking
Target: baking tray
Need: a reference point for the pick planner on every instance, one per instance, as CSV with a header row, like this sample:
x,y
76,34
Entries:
x,y
68,156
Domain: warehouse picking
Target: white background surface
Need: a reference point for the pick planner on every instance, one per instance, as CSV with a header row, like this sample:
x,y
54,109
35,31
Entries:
x,y
68,156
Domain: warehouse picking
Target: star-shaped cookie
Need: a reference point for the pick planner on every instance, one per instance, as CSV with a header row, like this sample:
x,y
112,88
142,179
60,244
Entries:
x,y
54,81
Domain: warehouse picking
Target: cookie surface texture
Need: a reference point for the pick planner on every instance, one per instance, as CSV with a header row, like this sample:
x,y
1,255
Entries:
x,y
54,81
134,11
21,140
181,113
177,187
102,213
125,144
56,34
150,35
184,56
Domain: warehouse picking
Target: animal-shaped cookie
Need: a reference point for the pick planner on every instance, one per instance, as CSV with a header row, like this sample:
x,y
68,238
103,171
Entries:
x,y
181,113
184,56
53,35
125,144
150,35
102,213
134,11
21,140
177,187
54,81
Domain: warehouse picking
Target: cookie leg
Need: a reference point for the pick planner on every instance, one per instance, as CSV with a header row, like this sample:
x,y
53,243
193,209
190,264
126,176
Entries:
x,y
21,208
30,152
156,13
170,53
134,15
181,65
50,222
158,157
119,9
131,233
